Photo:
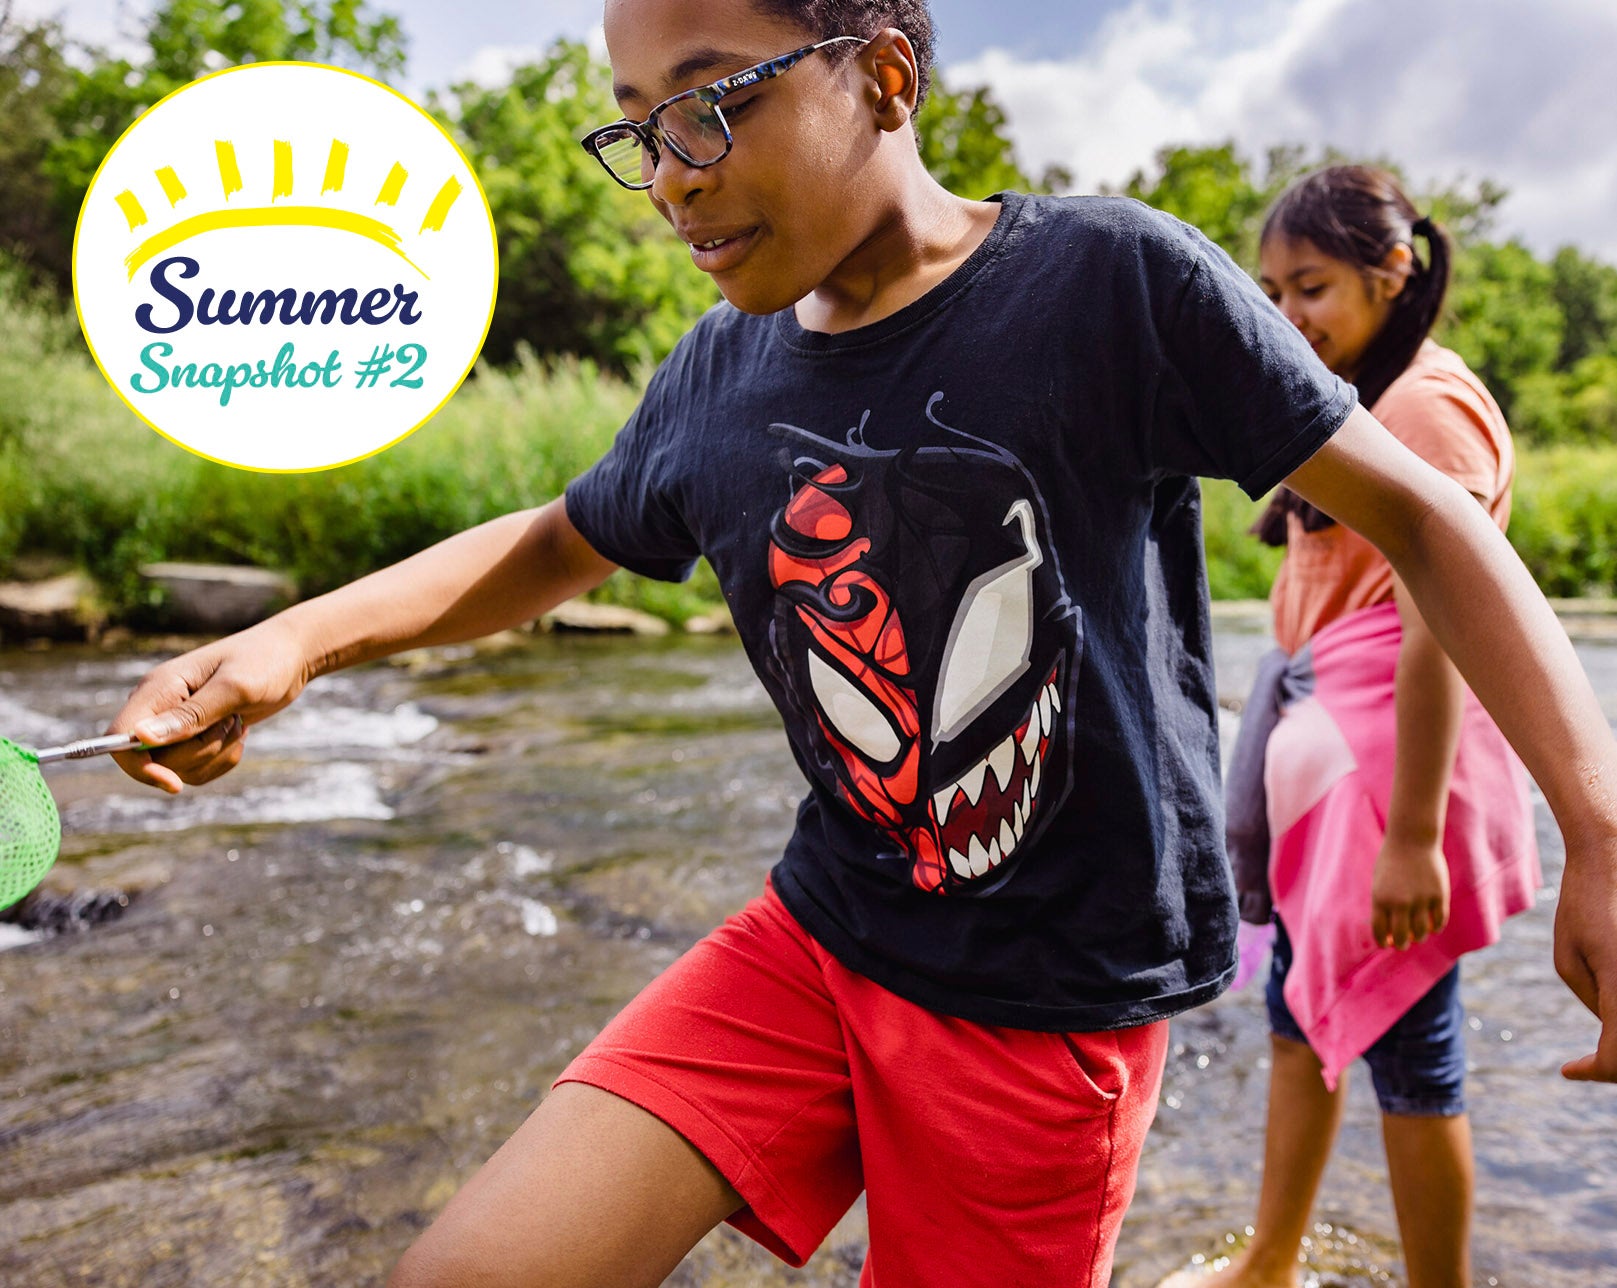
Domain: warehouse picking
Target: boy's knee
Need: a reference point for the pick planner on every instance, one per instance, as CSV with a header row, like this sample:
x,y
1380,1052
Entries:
x,y
436,1262
421,1268
442,1258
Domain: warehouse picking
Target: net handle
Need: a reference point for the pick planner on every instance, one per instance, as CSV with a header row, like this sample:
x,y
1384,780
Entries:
x,y
88,747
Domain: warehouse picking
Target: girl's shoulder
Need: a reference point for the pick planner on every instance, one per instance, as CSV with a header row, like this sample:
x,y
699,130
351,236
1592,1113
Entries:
x,y
1445,414
1437,374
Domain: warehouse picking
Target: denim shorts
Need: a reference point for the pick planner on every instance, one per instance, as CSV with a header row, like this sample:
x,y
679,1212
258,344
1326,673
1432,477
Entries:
x,y
1418,1065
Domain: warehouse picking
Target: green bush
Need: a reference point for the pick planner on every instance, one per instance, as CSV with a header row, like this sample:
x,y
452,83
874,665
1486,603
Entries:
x,y
1564,519
1239,566
82,478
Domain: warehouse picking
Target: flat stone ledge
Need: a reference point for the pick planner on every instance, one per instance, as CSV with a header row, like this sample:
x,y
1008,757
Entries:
x,y
580,615
219,597
718,622
58,608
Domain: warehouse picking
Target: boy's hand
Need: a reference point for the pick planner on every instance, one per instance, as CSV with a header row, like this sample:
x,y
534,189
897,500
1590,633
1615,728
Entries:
x,y
196,708
1586,949
1409,894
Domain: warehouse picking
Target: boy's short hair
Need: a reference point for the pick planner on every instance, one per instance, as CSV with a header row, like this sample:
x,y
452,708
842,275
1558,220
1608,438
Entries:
x,y
827,18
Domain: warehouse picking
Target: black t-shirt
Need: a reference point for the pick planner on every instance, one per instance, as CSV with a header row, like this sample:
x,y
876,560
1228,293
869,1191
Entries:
x,y
962,547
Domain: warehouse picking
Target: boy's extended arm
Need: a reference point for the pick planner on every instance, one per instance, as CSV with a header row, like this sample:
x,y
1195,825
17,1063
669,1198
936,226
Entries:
x,y
488,578
1486,611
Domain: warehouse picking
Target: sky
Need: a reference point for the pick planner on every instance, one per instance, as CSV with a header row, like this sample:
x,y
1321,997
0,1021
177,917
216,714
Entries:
x,y
1453,90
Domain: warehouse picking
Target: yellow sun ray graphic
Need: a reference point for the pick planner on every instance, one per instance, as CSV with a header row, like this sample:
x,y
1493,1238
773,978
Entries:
x,y
276,215
392,185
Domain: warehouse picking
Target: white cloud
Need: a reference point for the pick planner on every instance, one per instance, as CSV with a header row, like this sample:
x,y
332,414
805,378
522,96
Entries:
x,y
1448,88
492,65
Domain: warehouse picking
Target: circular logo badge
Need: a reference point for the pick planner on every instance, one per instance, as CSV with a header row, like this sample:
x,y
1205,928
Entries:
x,y
285,267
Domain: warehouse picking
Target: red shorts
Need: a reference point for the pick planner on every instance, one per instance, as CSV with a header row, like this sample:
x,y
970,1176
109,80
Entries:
x,y
991,1156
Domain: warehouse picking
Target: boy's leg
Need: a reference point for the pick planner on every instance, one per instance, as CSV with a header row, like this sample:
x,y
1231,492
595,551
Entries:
x,y
1429,1161
590,1190
991,1155
728,1070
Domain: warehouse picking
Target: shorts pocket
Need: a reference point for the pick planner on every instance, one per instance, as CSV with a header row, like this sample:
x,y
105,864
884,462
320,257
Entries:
x,y
1093,1065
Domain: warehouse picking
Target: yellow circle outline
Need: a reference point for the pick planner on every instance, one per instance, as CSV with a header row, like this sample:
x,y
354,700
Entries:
x,y
477,184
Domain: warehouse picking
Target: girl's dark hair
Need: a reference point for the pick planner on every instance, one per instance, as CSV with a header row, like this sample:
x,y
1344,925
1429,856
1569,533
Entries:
x,y
827,18
1357,214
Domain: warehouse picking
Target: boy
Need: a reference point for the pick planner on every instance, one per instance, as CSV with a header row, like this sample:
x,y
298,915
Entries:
x,y
941,456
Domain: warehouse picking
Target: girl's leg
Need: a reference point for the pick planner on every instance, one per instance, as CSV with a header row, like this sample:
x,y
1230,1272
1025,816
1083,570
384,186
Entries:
x,y
1419,1073
1429,1161
591,1190
1303,1119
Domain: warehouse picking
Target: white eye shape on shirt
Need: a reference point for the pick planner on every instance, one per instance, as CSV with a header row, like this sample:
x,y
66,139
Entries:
x,y
853,715
992,636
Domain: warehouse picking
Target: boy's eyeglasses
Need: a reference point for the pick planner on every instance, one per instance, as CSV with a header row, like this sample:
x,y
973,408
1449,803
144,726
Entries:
x,y
690,124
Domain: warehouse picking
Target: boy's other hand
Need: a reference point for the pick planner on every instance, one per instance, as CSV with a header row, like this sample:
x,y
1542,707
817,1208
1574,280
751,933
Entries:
x,y
1586,949
194,710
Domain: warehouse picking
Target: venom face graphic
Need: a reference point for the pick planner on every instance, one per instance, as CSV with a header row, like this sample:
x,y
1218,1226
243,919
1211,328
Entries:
x,y
922,624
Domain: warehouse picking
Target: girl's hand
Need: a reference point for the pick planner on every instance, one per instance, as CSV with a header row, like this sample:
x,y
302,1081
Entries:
x,y
1409,894
194,709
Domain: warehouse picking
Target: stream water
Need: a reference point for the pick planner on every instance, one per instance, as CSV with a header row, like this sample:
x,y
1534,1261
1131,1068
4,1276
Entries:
x,y
340,977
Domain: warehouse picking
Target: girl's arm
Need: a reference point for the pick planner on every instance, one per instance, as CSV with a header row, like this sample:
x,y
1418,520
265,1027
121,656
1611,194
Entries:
x,y
489,578
1485,610
1409,896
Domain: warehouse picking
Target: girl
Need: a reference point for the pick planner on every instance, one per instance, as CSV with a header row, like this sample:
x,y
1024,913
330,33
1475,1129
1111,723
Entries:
x,y
1399,833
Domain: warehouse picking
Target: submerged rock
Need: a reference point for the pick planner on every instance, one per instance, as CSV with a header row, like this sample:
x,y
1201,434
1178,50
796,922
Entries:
x,y
56,913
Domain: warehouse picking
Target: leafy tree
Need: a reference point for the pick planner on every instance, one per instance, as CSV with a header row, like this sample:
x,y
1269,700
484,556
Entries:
x,y
1467,214
1212,188
963,140
1575,406
1586,291
66,105
1503,319
34,78
586,267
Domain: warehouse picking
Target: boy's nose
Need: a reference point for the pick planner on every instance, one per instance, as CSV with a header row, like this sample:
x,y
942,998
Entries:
x,y
674,181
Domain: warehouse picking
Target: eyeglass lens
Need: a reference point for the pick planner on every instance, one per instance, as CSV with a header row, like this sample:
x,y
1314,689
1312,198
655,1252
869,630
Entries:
x,y
692,127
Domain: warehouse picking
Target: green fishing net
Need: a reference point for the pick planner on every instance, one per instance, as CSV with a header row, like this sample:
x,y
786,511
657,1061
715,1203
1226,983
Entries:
x,y
30,831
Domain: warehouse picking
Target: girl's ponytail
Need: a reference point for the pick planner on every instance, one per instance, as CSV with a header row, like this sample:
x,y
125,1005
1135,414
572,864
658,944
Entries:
x,y
1414,312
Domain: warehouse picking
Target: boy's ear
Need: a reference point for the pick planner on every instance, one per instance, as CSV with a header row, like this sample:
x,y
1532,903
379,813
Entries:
x,y
892,59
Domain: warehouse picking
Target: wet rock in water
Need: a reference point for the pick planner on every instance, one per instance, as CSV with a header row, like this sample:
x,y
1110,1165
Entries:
x,y
56,913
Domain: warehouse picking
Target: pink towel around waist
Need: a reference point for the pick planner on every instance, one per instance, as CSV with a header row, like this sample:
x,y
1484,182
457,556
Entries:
x,y
1328,775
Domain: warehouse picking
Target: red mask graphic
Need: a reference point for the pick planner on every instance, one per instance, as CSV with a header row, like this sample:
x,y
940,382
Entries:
x,y
915,647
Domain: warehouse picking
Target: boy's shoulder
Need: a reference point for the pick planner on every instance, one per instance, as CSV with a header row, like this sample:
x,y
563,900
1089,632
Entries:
x,y
1113,221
